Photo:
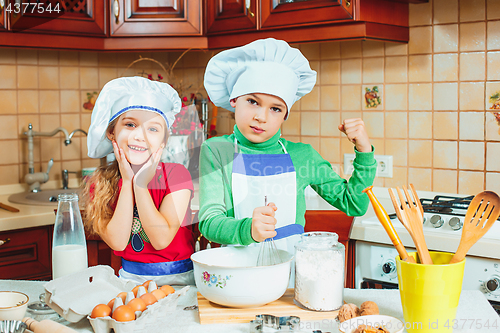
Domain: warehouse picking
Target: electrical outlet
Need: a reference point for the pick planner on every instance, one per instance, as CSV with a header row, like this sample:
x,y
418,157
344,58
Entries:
x,y
384,165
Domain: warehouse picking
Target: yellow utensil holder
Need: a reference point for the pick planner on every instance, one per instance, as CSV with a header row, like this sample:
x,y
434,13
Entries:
x,y
430,293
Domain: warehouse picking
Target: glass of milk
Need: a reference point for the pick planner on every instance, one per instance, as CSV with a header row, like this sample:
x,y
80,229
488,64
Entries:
x,y
69,248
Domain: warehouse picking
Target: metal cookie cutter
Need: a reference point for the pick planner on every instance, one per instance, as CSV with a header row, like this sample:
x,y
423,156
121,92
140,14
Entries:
x,y
287,323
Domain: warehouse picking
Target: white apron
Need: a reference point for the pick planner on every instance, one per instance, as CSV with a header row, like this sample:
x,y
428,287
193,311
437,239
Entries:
x,y
255,176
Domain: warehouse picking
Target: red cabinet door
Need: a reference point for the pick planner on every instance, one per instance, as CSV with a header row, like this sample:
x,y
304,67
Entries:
x,y
290,13
155,17
231,15
72,17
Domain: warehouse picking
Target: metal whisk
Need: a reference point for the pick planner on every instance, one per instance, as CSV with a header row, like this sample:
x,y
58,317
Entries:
x,y
268,253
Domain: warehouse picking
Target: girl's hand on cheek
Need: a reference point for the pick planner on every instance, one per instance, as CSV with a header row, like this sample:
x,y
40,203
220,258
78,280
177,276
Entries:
x,y
355,131
123,164
263,222
148,170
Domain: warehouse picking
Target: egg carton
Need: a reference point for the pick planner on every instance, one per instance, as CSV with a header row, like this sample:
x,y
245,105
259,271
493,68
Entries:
x,y
74,296
146,322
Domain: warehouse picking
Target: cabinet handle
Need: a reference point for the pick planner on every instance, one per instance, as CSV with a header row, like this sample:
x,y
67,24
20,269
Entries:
x,y
1,4
348,3
4,241
248,4
116,10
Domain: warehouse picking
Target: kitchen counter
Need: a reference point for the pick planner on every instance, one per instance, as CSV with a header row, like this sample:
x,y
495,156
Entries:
x,y
473,311
34,216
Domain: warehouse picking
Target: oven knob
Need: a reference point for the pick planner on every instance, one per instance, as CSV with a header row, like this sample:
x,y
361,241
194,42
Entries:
x,y
492,284
388,267
436,221
455,223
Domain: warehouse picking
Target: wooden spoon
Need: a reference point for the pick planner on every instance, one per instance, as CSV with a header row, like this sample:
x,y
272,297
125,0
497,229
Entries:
x,y
485,205
383,217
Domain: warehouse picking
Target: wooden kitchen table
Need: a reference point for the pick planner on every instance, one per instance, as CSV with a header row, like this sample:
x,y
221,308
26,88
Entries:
x,y
473,310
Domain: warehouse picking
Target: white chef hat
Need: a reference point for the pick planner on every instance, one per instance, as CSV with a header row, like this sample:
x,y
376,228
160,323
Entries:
x,y
125,94
267,66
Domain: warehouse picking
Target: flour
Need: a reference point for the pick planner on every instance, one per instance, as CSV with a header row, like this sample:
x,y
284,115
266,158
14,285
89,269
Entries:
x,y
319,275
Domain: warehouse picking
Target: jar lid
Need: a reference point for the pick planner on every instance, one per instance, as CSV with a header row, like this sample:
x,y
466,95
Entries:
x,y
319,240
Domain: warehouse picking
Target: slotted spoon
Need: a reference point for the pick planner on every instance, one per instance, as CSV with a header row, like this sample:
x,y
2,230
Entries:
x,y
411,216
485,205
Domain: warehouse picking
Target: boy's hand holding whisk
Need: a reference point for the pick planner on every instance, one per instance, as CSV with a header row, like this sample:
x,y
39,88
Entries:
x,y
263,222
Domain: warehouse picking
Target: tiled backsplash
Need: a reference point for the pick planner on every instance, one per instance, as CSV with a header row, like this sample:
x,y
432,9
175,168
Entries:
x,y
434,115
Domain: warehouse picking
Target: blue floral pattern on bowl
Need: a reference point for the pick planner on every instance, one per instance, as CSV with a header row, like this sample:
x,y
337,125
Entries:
x,y
215,280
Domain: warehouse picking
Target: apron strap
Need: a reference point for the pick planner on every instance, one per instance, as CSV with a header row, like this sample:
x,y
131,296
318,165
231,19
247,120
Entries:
x,y
289,230
157,268
236,145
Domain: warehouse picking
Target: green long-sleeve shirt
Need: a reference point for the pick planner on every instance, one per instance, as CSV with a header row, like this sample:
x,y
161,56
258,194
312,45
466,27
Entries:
x,y
216,215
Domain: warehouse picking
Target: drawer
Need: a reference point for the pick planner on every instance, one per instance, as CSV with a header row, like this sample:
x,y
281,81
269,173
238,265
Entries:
x,y
26,254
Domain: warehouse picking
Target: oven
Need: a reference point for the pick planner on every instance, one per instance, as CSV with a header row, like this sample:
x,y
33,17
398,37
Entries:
x,y
375,265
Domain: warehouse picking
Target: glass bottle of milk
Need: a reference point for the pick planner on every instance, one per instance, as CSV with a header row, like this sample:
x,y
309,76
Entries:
x,y
69,248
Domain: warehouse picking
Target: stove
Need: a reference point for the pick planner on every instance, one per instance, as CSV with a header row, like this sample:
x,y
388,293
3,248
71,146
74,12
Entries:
x,y
375,265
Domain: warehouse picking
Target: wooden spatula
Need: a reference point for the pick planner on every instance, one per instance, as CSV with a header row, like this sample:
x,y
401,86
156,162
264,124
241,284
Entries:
x,y
483,211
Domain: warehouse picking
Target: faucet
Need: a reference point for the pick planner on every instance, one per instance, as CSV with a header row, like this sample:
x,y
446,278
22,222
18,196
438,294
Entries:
x,y
73,133
65,178
32,178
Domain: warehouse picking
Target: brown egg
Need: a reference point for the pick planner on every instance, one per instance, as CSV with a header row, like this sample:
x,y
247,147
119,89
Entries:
x,y
159,294
167,289
111,303
123,296
146,284
135,289
137,304
123,313
149,298
100,310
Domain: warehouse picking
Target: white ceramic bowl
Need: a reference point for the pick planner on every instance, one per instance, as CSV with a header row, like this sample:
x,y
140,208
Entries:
x,y
229,276
13,305
392,324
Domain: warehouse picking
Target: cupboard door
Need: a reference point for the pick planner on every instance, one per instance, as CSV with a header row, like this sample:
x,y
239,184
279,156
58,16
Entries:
x,y
155,17
290,13
71,17
231,15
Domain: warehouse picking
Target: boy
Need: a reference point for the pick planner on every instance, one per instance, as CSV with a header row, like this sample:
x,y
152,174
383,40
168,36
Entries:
x,y
240,172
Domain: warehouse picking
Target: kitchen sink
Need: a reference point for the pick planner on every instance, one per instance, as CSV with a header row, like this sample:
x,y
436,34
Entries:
x,y
42,198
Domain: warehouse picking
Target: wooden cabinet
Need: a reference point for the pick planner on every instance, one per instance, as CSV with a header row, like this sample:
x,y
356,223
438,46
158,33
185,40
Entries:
x,y
154,17
25,254
70,17
231,15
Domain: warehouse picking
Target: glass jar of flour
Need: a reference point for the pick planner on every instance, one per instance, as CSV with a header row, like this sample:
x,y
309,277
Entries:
x,y
319,271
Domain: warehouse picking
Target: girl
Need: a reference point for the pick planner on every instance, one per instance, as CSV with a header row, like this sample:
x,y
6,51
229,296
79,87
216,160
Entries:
x,y
138,205
260,82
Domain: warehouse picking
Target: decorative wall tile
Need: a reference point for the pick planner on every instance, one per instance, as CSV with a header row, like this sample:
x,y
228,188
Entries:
x,y
420,125
470,183
472,66
309,123
396,69
492,99
372,97
351,71
421,178
445,11
444,181
420,96
445,154
420,40
374,123
330,50
350,49
372,48
472,126
420,68
396,97
471,95
492,156
329,124
373,70
446,125
493,35
492,126
330,72
472,36
446,38
471,155
350,97
446,67
396,124
472,10
329,98
445,96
